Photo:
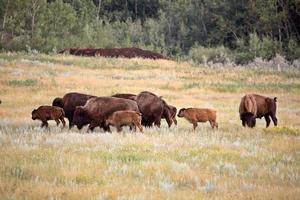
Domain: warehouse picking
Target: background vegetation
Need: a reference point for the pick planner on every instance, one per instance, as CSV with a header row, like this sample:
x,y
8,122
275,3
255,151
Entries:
x,y
178,28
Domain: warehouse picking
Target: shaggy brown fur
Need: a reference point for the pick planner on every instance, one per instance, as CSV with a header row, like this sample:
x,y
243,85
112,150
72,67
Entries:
x,y
69,103
45,113
195,115
254,106
125,118
153,108
125,96
98,109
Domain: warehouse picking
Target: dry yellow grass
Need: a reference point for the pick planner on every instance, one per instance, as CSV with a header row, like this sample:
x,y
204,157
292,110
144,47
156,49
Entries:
x,y
177,163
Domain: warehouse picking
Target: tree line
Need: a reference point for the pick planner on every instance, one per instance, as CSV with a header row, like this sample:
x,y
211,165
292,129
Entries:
x,y
242,29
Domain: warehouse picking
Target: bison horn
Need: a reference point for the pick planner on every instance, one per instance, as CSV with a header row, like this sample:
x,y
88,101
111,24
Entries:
x,y
275,99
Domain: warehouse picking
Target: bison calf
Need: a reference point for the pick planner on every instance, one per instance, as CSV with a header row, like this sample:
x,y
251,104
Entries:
x,y
125,118
195,115
45,113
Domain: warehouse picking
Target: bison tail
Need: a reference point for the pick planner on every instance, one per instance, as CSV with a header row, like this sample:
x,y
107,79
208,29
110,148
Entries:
x,y
58,102
275,99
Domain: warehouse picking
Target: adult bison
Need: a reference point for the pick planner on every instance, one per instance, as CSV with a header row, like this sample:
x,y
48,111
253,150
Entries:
x,y
254,106
97,110
69,103
153,109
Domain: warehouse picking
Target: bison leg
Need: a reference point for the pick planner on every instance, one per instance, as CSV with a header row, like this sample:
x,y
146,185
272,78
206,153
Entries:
x,y
57,121
157,123
267,118
243,122
274,119
139,126
133,127
216,125
92,126
119,129
175,121
63,121
212,124
70,122
195,125
106,128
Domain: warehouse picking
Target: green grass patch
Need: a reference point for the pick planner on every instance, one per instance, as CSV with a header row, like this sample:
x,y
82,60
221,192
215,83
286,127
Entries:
x,y
23,83
282,130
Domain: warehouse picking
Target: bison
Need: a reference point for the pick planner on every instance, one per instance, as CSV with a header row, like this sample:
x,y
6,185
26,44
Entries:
x,y
125,118
169,112
96,111
69,103
153,108
254,106
45,113
194,115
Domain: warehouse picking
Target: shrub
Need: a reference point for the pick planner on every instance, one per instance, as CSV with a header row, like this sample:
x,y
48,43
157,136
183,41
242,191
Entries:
x,y
204,55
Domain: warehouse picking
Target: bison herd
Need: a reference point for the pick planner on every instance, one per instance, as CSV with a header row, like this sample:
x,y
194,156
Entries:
x,y
145,109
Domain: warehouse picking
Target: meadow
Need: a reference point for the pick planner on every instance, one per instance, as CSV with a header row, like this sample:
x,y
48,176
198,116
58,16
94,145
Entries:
x,y
167,163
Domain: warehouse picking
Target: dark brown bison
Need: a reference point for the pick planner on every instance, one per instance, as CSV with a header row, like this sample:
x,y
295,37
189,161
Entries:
x,y
125,96
194,115
96,111
69,103
125,118
153,108
45,113
254,106
169,114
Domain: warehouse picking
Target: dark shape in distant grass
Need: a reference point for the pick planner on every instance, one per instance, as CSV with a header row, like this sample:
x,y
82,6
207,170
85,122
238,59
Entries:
x,y
22,83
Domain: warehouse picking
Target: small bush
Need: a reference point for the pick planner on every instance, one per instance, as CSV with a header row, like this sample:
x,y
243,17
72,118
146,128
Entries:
x,y
200,54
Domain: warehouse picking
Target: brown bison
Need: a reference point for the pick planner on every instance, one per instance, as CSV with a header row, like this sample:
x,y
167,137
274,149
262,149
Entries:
x,y
69,103
96,111
153,108
45,113
125,96
169,114
254,106
194,115
125,118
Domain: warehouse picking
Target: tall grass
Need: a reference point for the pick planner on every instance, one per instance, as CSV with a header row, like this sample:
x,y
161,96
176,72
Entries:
x,y
177,163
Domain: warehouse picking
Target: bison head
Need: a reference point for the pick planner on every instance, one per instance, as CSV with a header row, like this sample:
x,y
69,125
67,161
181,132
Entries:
x,y
58,102
34,115
181,112
80,117
248,119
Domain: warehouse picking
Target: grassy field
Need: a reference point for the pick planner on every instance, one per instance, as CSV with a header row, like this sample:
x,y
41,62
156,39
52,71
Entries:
x,y
177,163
